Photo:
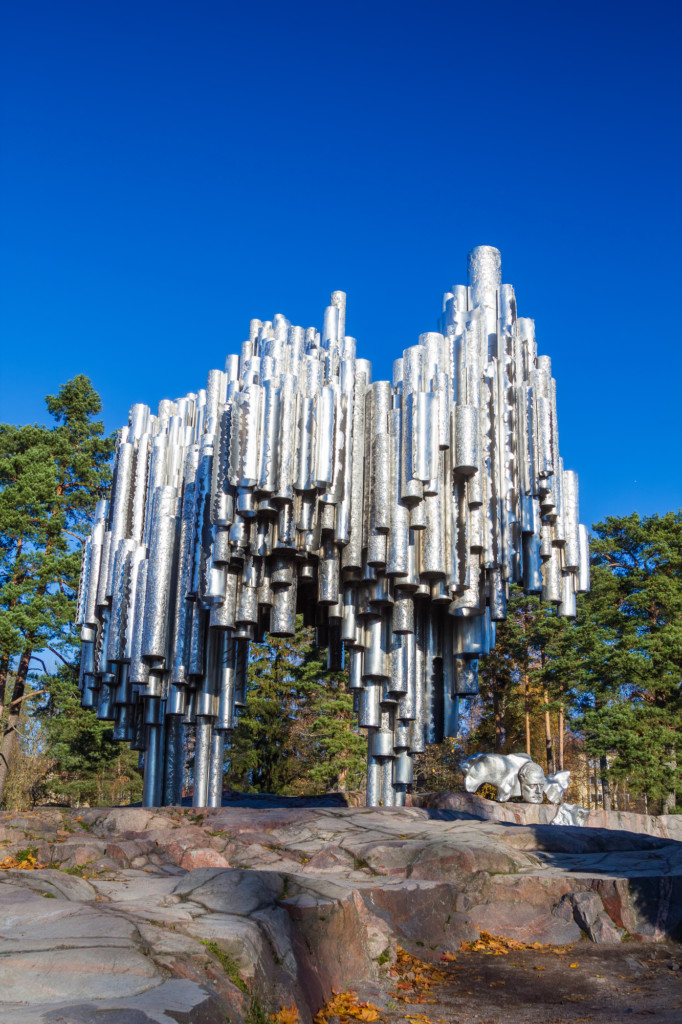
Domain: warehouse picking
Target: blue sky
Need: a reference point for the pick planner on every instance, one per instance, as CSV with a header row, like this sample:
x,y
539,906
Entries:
x,y
169,170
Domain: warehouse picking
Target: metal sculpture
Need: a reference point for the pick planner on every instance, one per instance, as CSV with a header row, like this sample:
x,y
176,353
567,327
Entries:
x,y
514,775
394,515
571,814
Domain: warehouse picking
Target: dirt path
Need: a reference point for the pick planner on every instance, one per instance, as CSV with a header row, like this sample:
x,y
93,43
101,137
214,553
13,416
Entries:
x,y
610,985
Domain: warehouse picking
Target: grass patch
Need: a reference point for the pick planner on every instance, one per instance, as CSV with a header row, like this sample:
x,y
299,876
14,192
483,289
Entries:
x,y
256,1014
29,854
196,819
360,864
79,872
229,965
23,860
384,957
48,895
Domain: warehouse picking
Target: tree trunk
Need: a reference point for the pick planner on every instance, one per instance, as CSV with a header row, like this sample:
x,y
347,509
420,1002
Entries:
x,y
561,733
594,776
549,748
499,728
527,709
5,660
11,719
605,784
670,801
4,669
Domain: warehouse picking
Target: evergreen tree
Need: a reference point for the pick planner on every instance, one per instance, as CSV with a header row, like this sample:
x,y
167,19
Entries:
x,y
50,480
437,769
86,765
260,749
522,693
326,727
297,734
629,643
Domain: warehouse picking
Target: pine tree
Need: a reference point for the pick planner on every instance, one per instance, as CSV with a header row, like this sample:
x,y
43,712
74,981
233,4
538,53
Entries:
x,y
297,734
86,764
326,726
260,749
629,643
522,694
50,480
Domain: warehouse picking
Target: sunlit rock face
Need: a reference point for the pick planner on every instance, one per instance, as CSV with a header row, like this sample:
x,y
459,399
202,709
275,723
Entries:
x,y
393,515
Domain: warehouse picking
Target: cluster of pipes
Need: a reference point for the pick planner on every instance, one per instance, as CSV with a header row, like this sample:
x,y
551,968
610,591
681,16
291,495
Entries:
x,y
393,515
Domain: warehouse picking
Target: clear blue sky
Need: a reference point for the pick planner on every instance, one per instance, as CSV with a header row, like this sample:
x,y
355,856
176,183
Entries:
x,y
170,170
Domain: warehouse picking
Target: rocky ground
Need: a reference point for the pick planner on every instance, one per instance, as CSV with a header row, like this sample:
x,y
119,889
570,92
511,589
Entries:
x,y
130,916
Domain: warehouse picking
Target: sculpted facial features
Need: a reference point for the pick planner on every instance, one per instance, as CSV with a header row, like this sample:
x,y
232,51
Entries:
x,y
514,775
532,782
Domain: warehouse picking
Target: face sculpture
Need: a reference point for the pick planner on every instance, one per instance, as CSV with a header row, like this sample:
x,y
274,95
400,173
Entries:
x,y
532,782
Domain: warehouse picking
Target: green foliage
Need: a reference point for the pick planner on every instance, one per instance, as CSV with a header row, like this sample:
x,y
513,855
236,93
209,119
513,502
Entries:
x,y
333,751
616,670
628,642
50,480
520,676
297,733
87,765
437,769
228,964
29,853
256,1014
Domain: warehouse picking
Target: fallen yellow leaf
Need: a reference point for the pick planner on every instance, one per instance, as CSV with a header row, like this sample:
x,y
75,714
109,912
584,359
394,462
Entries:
x,y
287,1015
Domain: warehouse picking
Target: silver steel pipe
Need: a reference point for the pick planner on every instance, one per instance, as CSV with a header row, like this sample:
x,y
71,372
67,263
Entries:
x,y
394,514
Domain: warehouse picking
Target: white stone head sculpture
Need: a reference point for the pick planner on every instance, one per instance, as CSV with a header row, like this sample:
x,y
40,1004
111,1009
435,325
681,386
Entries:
x,y
514,775
532,782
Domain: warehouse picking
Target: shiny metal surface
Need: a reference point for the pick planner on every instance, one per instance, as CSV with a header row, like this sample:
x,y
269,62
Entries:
x,y
514,775
395,513
571,814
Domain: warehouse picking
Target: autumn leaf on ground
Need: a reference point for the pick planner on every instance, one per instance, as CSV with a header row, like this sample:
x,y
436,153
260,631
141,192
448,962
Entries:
x,y
414,977
346,1005
24,863
500,945
287,1015
448,957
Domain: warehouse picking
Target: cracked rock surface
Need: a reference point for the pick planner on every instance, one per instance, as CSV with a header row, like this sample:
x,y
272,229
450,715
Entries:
x,y
172,915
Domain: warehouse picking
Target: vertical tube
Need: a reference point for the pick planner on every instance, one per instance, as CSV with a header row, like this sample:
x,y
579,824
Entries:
x,y
215,777
202,755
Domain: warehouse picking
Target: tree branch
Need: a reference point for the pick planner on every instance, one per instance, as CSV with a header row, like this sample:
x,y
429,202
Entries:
x,y
70,533
60,656
27,696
